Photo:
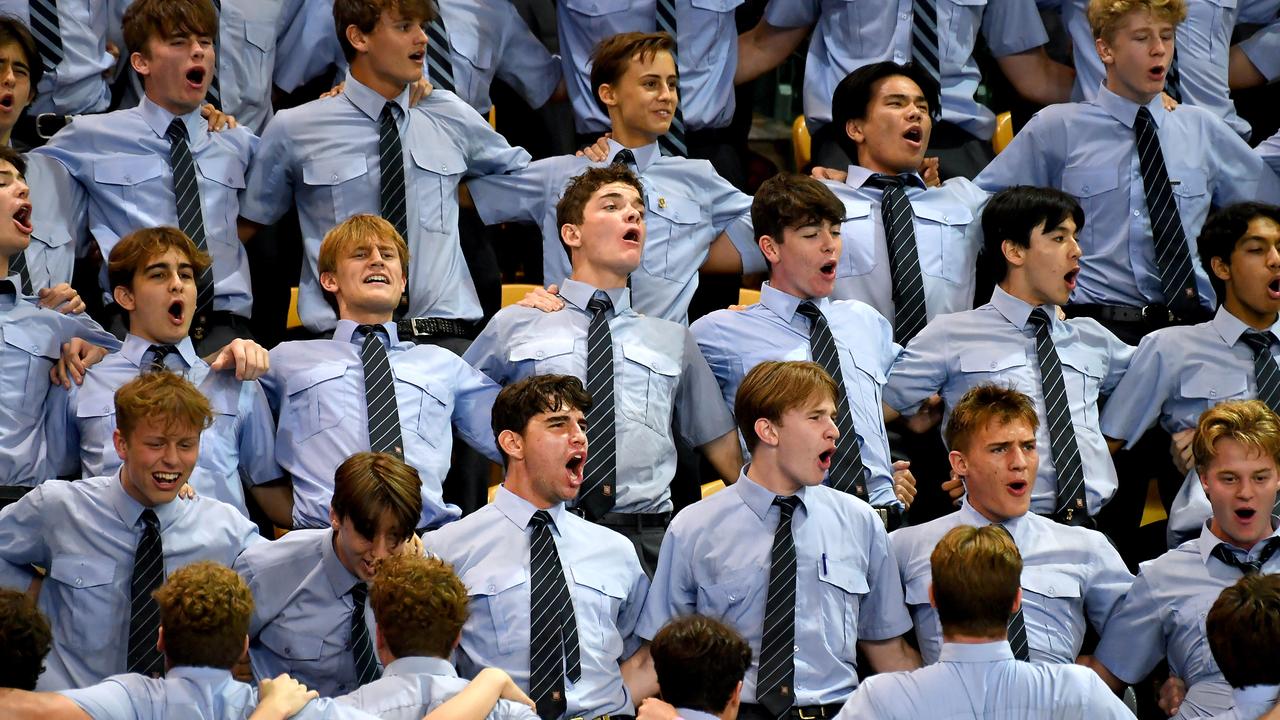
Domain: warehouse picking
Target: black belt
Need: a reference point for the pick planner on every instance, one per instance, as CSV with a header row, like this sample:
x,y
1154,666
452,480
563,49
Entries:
x,y
800,712
639,521
429,327
1152,316
48,124
890,515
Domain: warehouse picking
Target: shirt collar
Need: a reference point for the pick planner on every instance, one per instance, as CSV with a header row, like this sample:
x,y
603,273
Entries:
x,y
858,177
340,578
345,332
420,665
579,294
975,652
1230,327
1017,310
209,677
135,349
784,304
16,279
645,156
518,510
159,119
1126,110
129,510
371,102
756,496
1208,541
1017,527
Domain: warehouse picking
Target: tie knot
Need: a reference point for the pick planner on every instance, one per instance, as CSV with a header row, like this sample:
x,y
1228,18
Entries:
x,y
371,331
390,112
884,182
809,310
359,593
1039,318
176,131
158,353
149,520
1259,342
624,157
540,519
786,505
1143,118
599,303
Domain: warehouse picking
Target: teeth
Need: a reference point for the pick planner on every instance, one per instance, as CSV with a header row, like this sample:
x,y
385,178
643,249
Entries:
x,y
167,477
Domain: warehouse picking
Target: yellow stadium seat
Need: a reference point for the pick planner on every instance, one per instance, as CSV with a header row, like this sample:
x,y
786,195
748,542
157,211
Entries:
x,y
1004,132
711,488
493,117
800,146
515,292
295,321
747,296
1153,510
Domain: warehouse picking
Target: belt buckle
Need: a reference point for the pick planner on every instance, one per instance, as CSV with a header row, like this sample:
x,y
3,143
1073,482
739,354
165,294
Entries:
x,y
1156,313
800,714
883,513
47,119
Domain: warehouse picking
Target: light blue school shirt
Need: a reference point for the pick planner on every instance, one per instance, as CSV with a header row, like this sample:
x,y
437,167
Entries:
x,y
86,534
1162,616
323,157
238,449
1070,576
983,680
31,339
317,390
489,549
715,561
411,687
706,48
661,382
120,160
948,231
848,35
1089,150
735,341
996,343
687,206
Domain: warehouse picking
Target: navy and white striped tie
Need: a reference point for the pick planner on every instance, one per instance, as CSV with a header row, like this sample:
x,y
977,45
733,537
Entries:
x,y
186,193
144,612
673,143
1173,259
47,30
380,394
775,679
439,61
599,482
1071,508
910,314
924,37
553,628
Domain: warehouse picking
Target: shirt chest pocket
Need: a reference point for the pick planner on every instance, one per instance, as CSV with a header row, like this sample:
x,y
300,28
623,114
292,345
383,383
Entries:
x,y
86,594
1209,386
225,175
1006,364
1095,189
1083,373
345,180
645,386
738,599
670,247
965,19
298,649
550,355
425,406
1212,20
131,179
479,55
940,241
1190,188
315,399
1187,617
863,383
858,253
501,594
1050,597
437,172
597,601
596,18
25,359
843,585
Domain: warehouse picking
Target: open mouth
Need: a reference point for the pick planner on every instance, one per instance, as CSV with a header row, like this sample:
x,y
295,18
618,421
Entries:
x,y
914,134
377,279
577,462
1157,72
418,56
175,311
166,480
22,218
6,101
1070,278
1017,487
632,235
824,458
1273,288
1245,514
828,269
195,75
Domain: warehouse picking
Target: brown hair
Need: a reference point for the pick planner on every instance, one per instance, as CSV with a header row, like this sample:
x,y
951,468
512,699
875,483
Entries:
x,y
789,200
571,208
420,605
368,485
699,661
1106,15
131,254
518,402
204,613
162,19
981,405
976,575
612,56
14,158
1249,422
1243,627
24,640
161,395
364,14
13,30
772,388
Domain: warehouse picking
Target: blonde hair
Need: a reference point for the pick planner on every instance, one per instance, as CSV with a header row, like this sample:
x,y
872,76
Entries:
x,y
354,232
772,388
1105,15
1248,422
981,405
161,396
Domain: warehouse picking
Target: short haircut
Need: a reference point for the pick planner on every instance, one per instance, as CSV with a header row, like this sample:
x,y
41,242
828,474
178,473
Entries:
x,y
368,485
519,402
1249,422
358,231
135,250
24,640
981,405
852,97
789,200
1223,231
772,388
162,19
14,158
612,56
1243,627
699,661
164,396
13,30
419,604
976,575
364,14
572,206
1013,213
1105,16
205,609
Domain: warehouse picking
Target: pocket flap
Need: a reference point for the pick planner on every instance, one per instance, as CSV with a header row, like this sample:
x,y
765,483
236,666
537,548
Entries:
x,y
469,46
333,171
422,380
856,209
673,208
992,360
651,359
602,584
440,159
1086,183
596,7
916,590
315,375
1188,182
542,348
127,171
32,340
1214,386
1050,583
289,644
489,581
225,170
82,571
716,5
261,35
1082,362
944,214
844,574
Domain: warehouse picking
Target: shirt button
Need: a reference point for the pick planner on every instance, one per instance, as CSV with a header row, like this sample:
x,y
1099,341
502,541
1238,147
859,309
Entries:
x,y
128,178
79,582
993,366
1085,188
1136,213
795,648
1213,393
493,588
904,16
539,354
335,177
1051,590
733,598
